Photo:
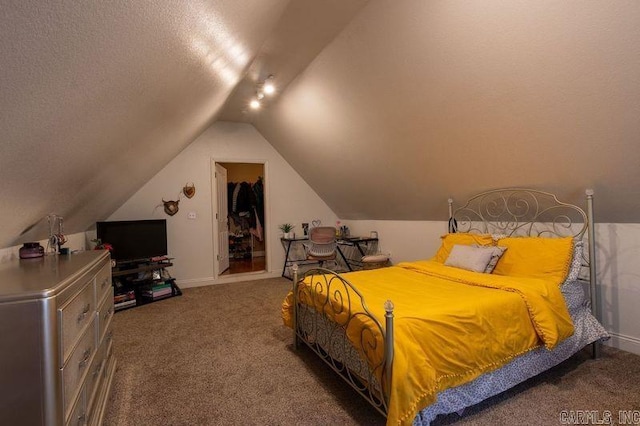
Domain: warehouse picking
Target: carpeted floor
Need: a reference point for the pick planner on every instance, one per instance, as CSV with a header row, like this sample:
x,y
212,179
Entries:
x,y
219,355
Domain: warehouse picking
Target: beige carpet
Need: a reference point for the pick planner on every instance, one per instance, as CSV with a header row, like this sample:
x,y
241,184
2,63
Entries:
x,y
220,355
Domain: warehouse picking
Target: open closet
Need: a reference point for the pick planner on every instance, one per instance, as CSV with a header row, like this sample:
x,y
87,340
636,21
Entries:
x,y
245,217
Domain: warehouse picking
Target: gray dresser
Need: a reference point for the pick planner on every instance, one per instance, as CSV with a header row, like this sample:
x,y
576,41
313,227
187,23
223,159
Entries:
x,y
56,361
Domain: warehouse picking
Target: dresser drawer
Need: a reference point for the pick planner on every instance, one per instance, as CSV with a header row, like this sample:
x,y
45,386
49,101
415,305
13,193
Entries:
x,y
78,416
108,344
103,283
78,364
105,313
97,409
74,317
94,377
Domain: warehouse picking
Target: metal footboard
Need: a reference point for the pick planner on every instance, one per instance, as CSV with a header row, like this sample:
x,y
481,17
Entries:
x,y
332,319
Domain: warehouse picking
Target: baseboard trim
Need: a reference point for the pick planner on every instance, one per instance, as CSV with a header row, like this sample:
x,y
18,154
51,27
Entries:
x,y
626,343
248,276
197,282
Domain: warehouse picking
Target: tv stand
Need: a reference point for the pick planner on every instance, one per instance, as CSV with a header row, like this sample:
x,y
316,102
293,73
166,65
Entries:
x,y
143,281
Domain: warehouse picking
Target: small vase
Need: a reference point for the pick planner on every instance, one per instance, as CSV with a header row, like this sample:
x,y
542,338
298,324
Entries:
x,y
31,250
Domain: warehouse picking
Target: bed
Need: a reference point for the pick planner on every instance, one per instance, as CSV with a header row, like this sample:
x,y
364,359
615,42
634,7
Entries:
x,y
501,301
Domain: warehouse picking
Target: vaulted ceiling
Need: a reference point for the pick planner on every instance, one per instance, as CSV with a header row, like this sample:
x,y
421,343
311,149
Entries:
x,y
384,108
416,101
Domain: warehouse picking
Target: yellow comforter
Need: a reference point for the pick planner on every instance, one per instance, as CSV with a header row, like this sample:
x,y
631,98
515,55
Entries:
x,y
453,325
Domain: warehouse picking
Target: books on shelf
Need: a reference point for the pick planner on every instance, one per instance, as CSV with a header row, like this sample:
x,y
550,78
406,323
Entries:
x,y
140,282
125,304
124,296
158,290
125,299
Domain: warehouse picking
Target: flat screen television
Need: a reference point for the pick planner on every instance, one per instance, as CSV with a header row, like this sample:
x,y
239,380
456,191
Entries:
x,y
134,239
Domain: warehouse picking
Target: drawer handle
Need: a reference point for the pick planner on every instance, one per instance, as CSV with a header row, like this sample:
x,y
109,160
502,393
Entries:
x,y
96,371
108,313
85,359
82,419
104,283
109,336
84,313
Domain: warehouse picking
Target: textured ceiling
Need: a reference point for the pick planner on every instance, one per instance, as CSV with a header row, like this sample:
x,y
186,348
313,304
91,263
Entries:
x,y
304,29
416,101
385,108
96,97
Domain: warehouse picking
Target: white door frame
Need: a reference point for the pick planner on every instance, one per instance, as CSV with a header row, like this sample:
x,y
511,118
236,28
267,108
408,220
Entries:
x,y
222,218
267,210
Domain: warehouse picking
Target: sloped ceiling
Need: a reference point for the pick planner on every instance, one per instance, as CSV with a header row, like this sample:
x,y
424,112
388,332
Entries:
x,y
304,29
96,97
416,101
385,108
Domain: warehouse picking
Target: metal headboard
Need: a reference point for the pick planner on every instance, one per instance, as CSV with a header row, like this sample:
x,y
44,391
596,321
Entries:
x,y
529,212
519,212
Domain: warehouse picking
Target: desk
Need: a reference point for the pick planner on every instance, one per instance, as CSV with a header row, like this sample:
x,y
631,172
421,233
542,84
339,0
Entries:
x,y
353,249
350,251
293,254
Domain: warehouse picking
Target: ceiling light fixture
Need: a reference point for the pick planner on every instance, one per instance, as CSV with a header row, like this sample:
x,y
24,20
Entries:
x,y
268,87
264,88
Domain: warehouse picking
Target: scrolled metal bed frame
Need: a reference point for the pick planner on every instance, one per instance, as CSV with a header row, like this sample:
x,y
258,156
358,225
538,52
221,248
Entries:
x,y
326,334
510,212
518,212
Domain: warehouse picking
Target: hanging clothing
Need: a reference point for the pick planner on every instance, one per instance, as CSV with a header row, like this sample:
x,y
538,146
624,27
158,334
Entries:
x,y
258,190
246,206
257,230
242,220
231,187
243,198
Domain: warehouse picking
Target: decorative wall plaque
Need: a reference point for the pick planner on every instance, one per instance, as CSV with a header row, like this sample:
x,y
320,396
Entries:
x,y
171,207
189,190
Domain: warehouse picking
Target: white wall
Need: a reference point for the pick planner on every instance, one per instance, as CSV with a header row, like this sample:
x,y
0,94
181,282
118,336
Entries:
x,y
287,199
75,242
403,239
618,254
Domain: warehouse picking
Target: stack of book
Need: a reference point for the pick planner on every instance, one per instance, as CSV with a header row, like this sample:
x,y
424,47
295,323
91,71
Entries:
x,y
123,300
158,290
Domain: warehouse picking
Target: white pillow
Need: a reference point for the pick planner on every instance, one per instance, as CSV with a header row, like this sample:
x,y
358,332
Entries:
x,y
496,254
470,258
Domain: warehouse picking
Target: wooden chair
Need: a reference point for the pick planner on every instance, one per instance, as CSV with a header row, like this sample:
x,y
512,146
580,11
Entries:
x,y
322,245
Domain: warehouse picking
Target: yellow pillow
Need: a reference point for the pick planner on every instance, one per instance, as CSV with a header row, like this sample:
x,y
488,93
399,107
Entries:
x,y
536,257
449,240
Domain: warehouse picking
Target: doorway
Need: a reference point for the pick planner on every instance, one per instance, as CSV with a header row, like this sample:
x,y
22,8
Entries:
x,y
240,218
